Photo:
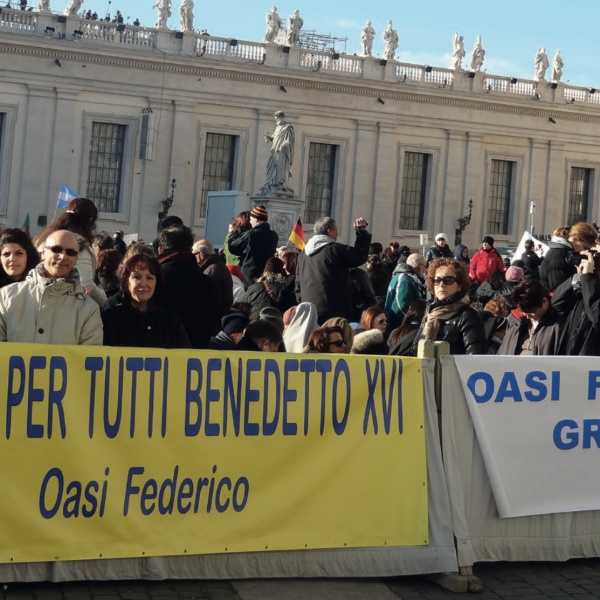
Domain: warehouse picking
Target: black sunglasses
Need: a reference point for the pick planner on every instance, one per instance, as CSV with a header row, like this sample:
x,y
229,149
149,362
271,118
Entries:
x,y
338,343
448,280
381,321
60,250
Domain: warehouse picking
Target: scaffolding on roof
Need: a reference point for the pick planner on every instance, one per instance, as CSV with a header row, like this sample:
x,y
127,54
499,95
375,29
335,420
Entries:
x,y
311,40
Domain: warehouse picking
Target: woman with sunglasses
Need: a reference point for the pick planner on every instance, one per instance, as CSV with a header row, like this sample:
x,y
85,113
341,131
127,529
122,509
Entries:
x,y
449,317
17,256
326,340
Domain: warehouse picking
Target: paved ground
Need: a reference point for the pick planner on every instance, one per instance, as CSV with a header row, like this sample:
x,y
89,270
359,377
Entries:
x,y
577,579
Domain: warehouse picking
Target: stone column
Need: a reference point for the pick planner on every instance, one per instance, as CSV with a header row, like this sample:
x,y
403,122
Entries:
x,y
473,188
553,214
537,185
452,191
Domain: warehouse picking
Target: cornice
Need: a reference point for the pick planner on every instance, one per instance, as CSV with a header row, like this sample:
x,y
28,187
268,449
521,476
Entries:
x,y
374,89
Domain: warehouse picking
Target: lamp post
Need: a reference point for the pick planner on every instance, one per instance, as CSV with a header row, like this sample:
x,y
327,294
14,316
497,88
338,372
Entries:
x,y
461,224
166,204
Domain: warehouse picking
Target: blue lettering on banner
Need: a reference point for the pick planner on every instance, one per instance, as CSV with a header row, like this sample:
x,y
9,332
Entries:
x,y
395,386
593,384
482,386
566,434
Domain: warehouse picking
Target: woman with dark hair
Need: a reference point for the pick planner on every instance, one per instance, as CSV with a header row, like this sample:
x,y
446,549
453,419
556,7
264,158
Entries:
x,y
449,317
108,266
79,218
17,256
402,338
270,290
243,222
138,321
326,340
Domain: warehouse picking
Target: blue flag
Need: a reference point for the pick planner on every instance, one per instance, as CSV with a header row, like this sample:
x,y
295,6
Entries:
x,y
65,196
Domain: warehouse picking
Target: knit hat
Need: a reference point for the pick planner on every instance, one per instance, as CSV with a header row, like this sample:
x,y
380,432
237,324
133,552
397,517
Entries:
x,y
235,270
488,239
260,213
441,236
272,314
234,323
515,274
274,265
394,245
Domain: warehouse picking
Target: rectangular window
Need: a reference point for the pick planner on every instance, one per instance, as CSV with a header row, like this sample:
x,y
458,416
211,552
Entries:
x,y
499,198
2,116
579,193
319,184
219,160
105,169
414,188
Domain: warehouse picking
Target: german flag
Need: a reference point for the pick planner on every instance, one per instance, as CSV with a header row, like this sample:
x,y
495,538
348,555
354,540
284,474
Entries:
x,y
297,235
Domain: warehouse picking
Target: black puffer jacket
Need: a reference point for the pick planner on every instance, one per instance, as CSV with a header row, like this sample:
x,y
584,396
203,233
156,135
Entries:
x,y
156,328
255,247
323,274
464,332
436,252
259,297
532,263
578,299
554,268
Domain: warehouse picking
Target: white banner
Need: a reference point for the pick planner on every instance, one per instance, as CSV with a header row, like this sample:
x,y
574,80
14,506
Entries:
x,y
537,420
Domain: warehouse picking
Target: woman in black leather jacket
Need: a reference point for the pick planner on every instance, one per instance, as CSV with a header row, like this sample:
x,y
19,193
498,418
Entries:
x,y
449,317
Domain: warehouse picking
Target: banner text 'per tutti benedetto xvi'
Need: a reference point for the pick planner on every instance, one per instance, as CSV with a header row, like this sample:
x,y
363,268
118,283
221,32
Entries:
x,y
140,452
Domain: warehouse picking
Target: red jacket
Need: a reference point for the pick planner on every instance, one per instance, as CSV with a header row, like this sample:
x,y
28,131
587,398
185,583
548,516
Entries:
x,y
483,264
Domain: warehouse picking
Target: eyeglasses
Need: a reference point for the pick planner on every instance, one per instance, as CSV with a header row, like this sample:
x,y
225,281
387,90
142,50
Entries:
x,y
338,343
448,280
381,321
60,250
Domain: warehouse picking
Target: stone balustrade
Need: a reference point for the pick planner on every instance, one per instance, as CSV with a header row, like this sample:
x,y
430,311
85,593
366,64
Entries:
x,y
268,54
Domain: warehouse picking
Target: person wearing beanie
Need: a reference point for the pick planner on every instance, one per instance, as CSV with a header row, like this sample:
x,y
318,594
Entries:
x,y
439,250
255,246
515,274
392,256
236,278
485,261
270,290
261,336
233,331
274,315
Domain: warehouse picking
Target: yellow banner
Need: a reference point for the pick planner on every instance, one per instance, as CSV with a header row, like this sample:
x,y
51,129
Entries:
x,y
138,452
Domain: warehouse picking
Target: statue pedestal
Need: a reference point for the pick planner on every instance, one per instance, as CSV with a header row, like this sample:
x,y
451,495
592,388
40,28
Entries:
x,y
284,210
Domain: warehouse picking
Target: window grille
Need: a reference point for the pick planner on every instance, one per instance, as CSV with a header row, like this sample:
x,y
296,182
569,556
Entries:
x,y
414,188
579,193
219,160
500,196
105,167
319,186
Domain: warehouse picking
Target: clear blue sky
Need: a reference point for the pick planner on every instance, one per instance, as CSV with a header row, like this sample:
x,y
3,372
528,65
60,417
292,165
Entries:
x,y
511,30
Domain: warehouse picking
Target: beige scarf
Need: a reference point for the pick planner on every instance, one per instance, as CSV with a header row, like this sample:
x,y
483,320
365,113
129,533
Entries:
x,y
436,315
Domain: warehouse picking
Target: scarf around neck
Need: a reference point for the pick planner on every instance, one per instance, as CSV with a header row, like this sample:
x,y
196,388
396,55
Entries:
x,y
443,311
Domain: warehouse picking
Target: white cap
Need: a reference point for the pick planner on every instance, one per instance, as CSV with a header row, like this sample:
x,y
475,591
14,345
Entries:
x,y
441,236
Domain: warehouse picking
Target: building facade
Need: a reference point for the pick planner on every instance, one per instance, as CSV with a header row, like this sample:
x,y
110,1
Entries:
x,y
118,114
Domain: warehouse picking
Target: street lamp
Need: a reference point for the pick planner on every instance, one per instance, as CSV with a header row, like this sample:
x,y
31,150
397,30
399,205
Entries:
x,y
167,203
461,225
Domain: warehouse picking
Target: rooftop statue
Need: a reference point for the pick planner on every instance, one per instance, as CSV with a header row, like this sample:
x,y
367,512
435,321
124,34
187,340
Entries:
x,y
282,155
44,6
390,39
295,23
478,55
186,11
366,39
164,13
274,25
541,65
72,8
557,67
458,44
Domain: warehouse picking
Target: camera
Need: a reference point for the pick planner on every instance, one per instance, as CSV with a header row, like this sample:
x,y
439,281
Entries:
x,y
574,258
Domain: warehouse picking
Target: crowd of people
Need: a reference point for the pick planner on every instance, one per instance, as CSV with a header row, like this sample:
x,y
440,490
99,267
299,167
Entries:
x,y
72,285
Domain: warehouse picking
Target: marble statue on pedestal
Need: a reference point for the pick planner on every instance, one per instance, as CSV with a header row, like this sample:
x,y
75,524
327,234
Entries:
x,y
164,13
557,67
73,8
186,11
281,157
478,55
295,23
366,39
458,44
390,39
541,65
274,24
44,6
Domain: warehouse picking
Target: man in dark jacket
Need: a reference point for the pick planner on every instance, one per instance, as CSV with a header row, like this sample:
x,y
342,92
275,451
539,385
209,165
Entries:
x,y
439,250
578,299
211,264
255,246
538,329
187,291
323,274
